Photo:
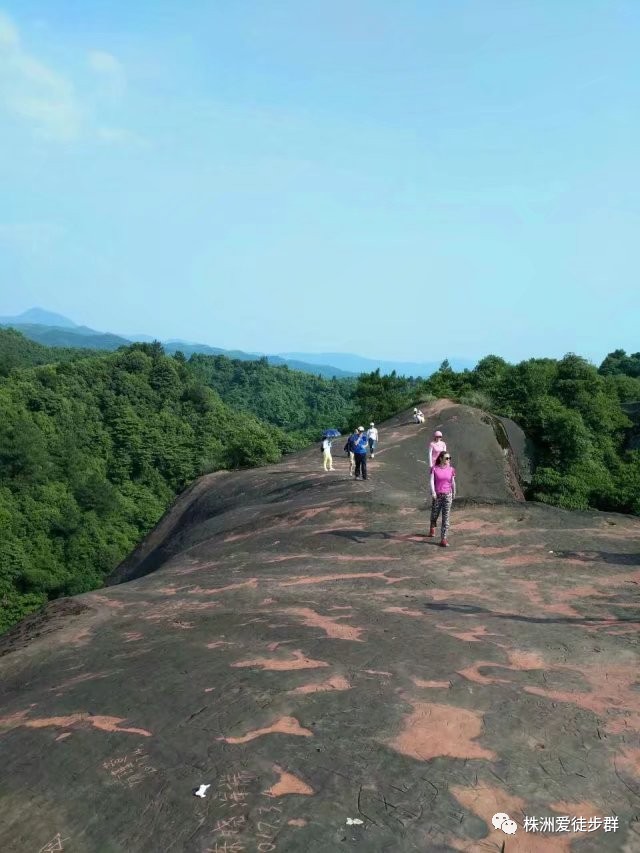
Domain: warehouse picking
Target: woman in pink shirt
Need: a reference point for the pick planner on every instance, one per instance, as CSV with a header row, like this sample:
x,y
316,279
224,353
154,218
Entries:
x,y
435,448
443,491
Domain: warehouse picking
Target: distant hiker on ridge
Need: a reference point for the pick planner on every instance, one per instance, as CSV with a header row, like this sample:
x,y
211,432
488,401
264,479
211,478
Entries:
x,y
443,491
349,448
327,458
372,436
360,447
435,448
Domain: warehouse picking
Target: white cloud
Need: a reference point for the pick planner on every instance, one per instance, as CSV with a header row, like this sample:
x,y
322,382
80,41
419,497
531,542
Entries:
x,y
47,101
110,70
32,91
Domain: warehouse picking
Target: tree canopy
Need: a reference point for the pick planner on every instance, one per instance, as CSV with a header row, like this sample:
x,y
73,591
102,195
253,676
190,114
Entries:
x,y
94,447
92,452
574,415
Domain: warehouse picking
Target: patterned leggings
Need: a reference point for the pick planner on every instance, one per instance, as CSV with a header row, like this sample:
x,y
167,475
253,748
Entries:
x,y
442,502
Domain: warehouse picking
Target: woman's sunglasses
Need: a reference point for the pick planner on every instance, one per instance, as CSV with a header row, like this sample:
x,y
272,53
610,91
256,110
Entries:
x,y
447,457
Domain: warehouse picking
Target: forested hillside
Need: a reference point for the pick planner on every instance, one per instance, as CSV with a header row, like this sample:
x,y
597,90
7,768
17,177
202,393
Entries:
x,y
574,413
93,448
91,454
575,418
59,332
295,401
18,351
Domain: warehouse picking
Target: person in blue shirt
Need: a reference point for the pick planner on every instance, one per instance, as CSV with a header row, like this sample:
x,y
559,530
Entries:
x,y
360,448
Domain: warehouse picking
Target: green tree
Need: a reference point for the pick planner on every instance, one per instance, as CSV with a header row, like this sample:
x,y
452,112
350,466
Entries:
x,y
93,450
378,397
619,363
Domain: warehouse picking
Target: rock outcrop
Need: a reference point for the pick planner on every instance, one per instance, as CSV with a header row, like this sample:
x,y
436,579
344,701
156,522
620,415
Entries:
x,y
293,639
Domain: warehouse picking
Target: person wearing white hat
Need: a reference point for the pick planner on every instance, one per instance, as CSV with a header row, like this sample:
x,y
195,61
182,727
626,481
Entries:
x,y
360,447
372,435
418,416
435,448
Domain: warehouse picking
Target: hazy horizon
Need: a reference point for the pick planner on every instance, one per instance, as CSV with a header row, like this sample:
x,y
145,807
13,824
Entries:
x,y
393,181
456,358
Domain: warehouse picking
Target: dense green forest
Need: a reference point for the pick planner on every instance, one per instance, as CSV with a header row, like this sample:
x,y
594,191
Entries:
x,y
18,351
297,402
94,447
574,414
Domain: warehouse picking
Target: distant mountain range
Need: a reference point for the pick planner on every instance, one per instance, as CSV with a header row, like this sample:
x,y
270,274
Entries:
x,y
63,336
40,317
51,329
359,364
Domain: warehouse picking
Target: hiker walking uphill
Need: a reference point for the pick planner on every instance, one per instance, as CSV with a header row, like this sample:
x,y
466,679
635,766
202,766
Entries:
x,y
418,416
372,437
360,447
349,449
435,448
443,492
327,458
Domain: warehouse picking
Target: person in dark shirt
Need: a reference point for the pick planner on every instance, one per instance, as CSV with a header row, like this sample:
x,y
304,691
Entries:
x,y
349,448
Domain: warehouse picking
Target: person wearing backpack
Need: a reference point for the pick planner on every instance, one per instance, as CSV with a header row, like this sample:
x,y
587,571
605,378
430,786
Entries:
x,y
348,449
327,458
360,448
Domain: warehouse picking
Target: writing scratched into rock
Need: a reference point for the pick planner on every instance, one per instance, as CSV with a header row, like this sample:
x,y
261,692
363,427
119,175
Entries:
x,y
227,847
55,845
130,769
246,828
268,825
232,791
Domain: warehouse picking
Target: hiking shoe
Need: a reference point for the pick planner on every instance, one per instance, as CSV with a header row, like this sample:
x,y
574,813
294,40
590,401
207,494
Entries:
x,y
444,543
373,455
432,531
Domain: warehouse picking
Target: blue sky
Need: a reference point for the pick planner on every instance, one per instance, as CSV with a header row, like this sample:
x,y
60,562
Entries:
x,y
403,180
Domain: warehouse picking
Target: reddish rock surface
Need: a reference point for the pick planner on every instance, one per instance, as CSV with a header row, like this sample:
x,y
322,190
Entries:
x,y
293,639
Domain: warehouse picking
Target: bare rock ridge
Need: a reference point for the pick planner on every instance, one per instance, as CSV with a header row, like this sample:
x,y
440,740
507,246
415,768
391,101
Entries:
x,y
487,460
292,639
